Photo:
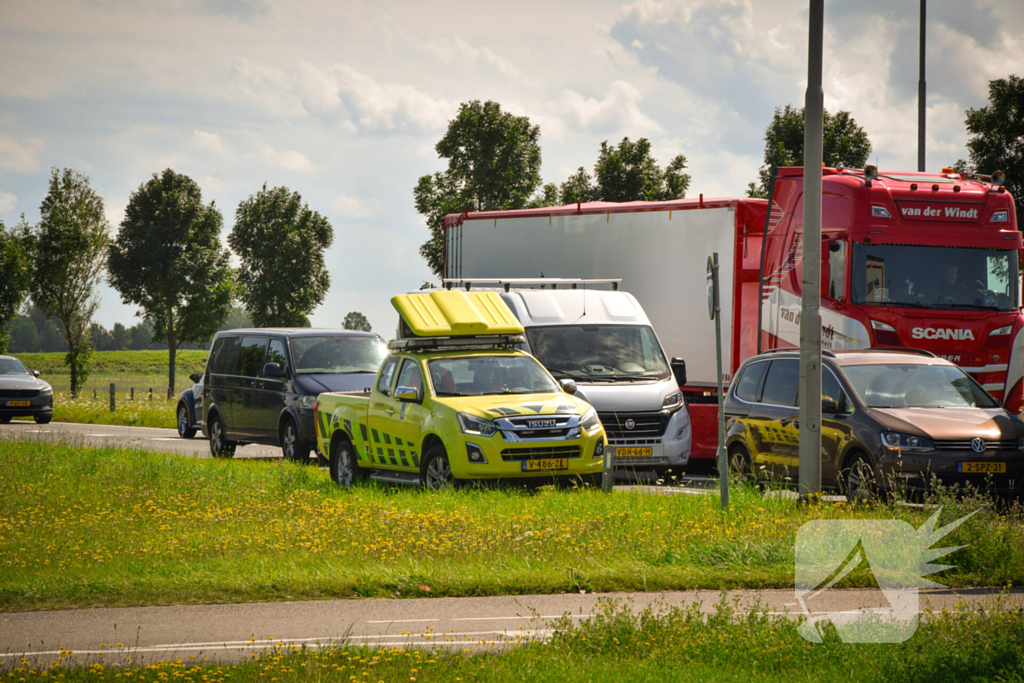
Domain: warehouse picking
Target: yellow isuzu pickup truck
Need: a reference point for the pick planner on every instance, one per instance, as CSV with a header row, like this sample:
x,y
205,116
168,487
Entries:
x,y
455,401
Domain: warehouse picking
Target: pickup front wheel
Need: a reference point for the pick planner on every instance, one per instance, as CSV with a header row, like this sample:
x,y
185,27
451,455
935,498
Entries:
x,y
345,470
437,470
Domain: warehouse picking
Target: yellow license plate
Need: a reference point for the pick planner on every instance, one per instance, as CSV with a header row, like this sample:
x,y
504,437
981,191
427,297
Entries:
x,y
19,404
633,452
981,467
545,464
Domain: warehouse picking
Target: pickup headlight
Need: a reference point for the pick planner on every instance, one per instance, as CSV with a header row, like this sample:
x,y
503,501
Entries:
x,y
673,400
590,421
307,401
476,426
894,441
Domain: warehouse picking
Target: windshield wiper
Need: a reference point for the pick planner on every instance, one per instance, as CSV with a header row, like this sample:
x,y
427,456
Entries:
x,y
980,307
454,393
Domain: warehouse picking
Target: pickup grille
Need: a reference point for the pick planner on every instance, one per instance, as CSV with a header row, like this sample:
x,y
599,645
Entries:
x,y
645,425
556,429
19,393
519,454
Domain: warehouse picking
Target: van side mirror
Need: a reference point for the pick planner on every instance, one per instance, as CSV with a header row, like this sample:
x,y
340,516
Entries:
x,y
829,405
273,370
195,377
407,394
568,385
679,370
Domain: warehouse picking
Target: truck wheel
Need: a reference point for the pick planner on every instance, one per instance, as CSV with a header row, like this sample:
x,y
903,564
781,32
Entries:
x,y
184,430
344,466
290,446
220,447
437,470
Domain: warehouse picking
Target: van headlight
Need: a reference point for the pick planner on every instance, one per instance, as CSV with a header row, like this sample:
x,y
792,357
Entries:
x,y
673,400
894,441
590,421
476,426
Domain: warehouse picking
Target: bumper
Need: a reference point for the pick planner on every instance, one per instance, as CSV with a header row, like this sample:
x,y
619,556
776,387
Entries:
x,y
307,427
671,449
505,460
923,472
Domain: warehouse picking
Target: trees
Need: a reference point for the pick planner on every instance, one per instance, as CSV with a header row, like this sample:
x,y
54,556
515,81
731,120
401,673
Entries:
x,y
356,321
629,173
15,245
577,188
70,249
168,260
997,135
493,163
280,243
843,142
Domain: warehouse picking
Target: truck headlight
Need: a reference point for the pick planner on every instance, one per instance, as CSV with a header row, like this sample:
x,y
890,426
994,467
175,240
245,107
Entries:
x,y
307,401
476,426
673,400
1001,331
894,441
590,421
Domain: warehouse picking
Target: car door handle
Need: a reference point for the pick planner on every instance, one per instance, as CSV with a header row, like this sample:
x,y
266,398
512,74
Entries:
x,y
389,411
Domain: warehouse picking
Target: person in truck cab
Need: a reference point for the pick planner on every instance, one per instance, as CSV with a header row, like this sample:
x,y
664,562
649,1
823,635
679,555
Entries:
x,y
951,288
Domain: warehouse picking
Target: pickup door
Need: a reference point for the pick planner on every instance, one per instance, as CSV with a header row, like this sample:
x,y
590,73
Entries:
x,y
395,425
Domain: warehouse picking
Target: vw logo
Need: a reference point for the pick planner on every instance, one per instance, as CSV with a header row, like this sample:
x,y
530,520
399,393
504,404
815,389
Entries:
x,y
978,445
630,423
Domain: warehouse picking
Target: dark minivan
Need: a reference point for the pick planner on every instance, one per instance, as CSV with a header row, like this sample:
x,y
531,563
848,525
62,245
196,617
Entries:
x,y
260,385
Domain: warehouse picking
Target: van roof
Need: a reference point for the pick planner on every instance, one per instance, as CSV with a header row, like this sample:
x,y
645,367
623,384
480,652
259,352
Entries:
x,y
540,307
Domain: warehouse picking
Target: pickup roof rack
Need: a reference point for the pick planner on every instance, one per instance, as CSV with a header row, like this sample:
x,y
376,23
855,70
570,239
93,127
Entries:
x,y
507,283
493,341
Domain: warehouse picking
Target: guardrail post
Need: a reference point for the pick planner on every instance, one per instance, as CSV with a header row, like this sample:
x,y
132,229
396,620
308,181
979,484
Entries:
x,y
112,396
131,395
94,397
151,393
607,470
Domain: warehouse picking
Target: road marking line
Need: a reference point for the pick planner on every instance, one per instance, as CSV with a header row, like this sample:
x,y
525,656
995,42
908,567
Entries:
x,y
543,616
400,621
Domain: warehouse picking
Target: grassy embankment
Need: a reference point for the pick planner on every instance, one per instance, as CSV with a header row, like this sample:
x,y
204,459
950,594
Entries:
x,y
83,527
661,645
141,370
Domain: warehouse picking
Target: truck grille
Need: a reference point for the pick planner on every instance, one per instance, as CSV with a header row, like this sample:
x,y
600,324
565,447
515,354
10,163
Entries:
x,y
19,393
965,445
518,454
645,425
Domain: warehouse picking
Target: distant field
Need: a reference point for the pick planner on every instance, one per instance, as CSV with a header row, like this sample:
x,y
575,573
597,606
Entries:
x,y
142,370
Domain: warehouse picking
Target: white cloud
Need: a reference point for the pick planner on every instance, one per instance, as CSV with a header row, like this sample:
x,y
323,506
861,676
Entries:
x,y
350,207
208,141
17,156
213,183
617,111
289,160
388,105
114,212
7,202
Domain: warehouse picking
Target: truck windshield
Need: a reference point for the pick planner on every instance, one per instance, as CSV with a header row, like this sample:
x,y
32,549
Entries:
x,y
903,385
484,375
335,355
935,277
595,353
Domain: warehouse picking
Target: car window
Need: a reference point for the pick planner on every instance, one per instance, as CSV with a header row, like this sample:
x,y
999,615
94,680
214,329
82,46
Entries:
x,y
276,353
410,376
782,383
386,375
12,366
831,387
337,354
224,356
914,385
250,356
750,381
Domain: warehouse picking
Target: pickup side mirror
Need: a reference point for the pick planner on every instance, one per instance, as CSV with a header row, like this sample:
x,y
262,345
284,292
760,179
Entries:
x,y
195,377
679,370
568,385
273,370
407,394
829,405
37,374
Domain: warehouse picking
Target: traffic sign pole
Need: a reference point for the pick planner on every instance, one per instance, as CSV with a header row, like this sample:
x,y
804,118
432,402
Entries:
x,y
715,310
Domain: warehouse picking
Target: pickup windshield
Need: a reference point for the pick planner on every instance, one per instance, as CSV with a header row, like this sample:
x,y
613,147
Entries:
x,y
596,353
935,277
485,375
902,385
335,355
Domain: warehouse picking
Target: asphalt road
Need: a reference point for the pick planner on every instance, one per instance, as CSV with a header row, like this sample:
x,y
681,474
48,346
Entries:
x,y
234,632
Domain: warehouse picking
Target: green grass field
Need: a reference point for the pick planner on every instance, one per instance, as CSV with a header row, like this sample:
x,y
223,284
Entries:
x,y
659,645
143,370
86,527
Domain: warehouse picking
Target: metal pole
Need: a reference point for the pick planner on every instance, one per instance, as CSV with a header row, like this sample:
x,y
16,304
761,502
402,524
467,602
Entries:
x,y
921,96
723,465
607,469
810,300
112,394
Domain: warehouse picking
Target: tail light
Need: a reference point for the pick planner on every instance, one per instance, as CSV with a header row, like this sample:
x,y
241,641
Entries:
x,y
1014,400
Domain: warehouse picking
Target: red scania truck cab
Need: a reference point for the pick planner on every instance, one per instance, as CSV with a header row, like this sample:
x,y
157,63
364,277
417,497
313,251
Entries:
x,y
918,260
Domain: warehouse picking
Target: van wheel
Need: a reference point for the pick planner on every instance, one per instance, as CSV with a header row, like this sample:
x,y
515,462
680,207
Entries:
x,y
437,470
220,447
861,486
290,446
344,466
184,430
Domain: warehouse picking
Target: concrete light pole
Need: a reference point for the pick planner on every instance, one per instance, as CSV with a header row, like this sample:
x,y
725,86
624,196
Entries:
x,y
810,303
921,95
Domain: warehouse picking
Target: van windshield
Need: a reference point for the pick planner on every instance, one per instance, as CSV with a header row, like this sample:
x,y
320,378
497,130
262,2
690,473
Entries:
x,y
335,355
905,385
599,353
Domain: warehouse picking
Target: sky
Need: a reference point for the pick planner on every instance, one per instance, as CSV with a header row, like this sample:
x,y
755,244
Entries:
x,y
343,101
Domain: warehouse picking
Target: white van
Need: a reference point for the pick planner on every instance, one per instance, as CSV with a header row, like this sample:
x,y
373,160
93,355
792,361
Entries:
x,y
602,340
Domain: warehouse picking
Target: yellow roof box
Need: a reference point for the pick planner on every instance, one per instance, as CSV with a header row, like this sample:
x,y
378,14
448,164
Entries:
x,y
454,313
